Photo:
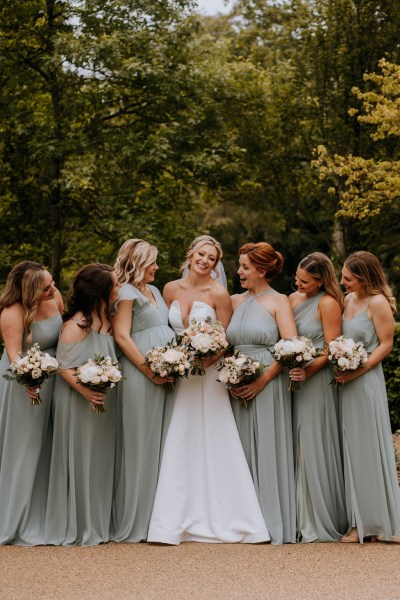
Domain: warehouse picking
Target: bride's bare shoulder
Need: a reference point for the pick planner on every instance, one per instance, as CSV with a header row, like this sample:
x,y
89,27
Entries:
x,y
171,288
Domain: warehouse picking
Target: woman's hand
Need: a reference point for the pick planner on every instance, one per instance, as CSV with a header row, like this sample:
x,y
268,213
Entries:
x,y
347,376
94,398
248,391
33,392
297,374
207,361
156,379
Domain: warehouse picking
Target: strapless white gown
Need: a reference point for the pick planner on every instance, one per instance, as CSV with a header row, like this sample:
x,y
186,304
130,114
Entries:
x,y
205,491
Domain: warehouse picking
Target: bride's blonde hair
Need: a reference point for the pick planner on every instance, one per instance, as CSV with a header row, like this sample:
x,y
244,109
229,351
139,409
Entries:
x,y
133,258
202,240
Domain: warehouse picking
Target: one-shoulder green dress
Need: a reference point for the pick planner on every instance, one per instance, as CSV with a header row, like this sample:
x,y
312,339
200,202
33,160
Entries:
x,y
265,427
371,485
321,513
80,495
143,420
25,446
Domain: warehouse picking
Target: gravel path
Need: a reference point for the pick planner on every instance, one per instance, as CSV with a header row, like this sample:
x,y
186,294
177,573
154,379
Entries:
x,y
202,571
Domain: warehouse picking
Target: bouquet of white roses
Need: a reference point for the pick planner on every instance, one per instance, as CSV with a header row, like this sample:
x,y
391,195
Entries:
x,y
346,355
237,370
99,374
169,360
292,352
203,339
33,369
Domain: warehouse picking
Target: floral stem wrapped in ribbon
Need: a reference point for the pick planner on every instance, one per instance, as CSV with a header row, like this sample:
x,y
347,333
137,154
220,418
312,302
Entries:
x,y
203,339
99,374
169,360
32,370
346,355
296,351
237,370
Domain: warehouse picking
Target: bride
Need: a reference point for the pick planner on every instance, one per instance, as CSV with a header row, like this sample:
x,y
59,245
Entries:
x,y
205,492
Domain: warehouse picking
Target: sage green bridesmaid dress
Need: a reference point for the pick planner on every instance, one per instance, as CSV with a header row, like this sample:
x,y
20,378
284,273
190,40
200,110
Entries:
x,y
265,427
80,495
321,513
25,447
371,485
145,410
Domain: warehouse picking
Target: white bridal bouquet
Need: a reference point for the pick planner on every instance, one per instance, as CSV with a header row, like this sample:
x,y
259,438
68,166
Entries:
x,y
170,359
203,339
237,370
346,355
296,351
33,369
99,374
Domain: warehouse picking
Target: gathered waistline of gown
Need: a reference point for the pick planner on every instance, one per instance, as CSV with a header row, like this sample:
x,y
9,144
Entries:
x,y
253,348
153,327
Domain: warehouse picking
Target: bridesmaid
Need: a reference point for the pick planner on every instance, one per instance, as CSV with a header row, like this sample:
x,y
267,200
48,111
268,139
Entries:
x,y
140,323
261,317
82,462
30,309
372,489
317,305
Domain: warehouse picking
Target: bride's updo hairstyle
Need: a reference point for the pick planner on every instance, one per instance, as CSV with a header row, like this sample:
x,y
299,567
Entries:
x,y
321,269
25,285
367,268
264,257
133,258
202,240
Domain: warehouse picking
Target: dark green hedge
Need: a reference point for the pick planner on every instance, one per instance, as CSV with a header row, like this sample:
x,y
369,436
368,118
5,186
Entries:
x,y
391,367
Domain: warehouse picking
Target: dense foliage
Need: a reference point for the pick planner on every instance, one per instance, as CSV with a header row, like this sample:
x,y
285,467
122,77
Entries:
x,y
138,118
391,367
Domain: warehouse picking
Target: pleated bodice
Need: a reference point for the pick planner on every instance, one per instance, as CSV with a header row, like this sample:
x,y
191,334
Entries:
x,y
307,322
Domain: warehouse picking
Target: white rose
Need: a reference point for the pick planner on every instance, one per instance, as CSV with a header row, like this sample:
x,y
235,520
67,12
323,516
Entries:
x,y
87,373
36,373
114,374
172,356
344,363
49,363
201,342
240,361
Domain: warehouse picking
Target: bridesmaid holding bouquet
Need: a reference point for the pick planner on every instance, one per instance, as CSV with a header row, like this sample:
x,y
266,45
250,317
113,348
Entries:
x,y
372,489
317,306
82,462
262,316
30,309
140,323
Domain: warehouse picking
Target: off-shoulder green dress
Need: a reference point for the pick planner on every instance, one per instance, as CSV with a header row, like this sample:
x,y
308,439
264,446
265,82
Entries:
x,y
80,495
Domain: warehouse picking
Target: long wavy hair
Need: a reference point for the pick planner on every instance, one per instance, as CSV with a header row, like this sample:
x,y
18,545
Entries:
x,y
91,290
264,257
367,268
319,266
197,243
25,285
133,258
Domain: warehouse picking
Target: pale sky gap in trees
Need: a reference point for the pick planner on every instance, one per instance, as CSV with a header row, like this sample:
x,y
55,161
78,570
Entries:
x,y
212,7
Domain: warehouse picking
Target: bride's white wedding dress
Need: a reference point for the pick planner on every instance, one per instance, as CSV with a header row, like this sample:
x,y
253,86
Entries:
x,y
205,492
